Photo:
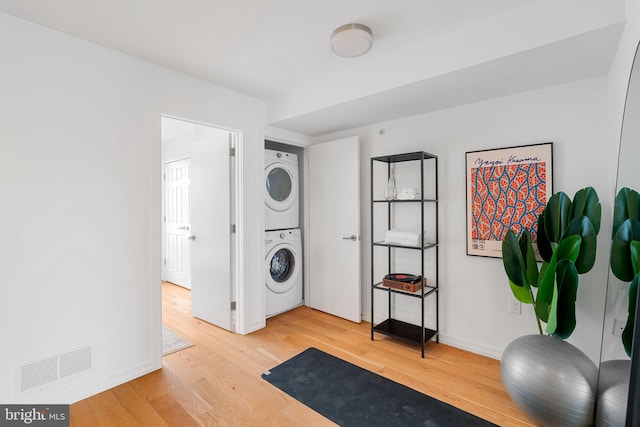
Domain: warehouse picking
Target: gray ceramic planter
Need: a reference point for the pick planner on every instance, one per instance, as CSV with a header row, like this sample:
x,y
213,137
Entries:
x,y
552,381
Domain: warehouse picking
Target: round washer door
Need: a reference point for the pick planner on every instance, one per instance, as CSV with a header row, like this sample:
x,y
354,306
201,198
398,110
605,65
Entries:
x,y
281,188
282,268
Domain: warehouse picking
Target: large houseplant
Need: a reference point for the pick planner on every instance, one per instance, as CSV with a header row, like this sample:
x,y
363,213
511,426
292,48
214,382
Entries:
x,y
566,241
625,252
614,375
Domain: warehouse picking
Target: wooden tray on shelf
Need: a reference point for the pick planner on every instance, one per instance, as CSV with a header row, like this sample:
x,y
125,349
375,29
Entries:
x,y
404,286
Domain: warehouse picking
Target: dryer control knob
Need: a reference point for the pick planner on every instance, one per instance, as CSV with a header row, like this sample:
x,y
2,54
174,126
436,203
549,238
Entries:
x,y
282,235
279,155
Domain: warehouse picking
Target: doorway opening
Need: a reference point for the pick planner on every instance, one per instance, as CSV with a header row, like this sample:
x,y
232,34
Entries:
x,y
199,212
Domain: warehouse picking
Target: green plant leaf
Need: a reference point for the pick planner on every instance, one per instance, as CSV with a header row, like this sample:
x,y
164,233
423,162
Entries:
x,y
621,257
544,245
552,317
557,216
567,249
567,280
635,256
512,260
583,227
586,203
627,205
628,331
521,294
529,258
545,291
543,271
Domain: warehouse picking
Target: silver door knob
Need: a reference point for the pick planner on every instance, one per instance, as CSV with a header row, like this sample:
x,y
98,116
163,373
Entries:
x,y
184,227
192,237
353,237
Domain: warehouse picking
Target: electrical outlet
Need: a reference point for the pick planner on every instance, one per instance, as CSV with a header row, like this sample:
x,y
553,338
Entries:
x,y
515,306
618,327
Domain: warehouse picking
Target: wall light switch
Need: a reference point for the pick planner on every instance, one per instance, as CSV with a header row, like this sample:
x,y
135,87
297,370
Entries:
x,y
515,306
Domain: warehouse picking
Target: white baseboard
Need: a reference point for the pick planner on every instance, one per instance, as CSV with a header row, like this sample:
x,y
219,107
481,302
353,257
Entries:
x,y
103,384
473,347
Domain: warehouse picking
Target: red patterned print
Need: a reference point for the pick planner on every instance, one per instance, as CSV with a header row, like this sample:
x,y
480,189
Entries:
x,y
504,197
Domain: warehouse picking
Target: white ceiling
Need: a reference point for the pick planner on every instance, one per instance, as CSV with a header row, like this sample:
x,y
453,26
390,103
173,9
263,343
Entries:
x,y
427,54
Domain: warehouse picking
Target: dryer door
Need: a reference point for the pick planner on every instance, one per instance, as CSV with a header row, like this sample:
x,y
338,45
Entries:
x,y
281,187
283,269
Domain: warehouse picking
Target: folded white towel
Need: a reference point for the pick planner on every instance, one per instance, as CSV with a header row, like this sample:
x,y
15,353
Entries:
x,y
396,233
403,242
408,194
397,236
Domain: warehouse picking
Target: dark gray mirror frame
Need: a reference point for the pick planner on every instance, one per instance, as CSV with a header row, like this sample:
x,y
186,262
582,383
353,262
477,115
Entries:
x,y
633,401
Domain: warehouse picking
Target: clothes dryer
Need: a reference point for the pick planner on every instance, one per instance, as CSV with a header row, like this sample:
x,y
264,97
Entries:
x,y
283,275
281,197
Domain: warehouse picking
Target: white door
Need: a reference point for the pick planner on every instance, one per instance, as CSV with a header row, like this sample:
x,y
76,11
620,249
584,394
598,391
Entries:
x,y
177,222
334,228
210,229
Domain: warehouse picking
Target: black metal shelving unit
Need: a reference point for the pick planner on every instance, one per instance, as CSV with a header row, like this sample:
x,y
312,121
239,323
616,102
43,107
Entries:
x,y
393,327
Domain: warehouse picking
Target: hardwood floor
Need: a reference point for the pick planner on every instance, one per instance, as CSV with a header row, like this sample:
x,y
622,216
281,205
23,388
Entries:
x,y
217,381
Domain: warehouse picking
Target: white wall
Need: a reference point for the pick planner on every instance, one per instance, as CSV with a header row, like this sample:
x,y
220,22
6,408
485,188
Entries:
x,y
80,253
474,290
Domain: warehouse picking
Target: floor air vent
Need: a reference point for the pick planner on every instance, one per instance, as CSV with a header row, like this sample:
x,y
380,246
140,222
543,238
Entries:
x,y
75,361
54,368
38,373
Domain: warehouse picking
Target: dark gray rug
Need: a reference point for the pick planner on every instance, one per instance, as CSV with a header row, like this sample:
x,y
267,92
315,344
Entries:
x,y
351,396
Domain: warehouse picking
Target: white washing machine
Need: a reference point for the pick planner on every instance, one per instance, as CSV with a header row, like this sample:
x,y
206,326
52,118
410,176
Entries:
x,y
283,275
281,197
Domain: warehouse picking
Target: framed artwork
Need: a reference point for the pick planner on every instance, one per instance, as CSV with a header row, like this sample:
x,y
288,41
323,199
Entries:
x,y
507,188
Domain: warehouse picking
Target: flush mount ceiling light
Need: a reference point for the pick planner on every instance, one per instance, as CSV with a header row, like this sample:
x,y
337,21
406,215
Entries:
x,y
351,40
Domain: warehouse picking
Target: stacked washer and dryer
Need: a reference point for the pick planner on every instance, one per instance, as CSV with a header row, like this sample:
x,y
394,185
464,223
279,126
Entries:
x,y
283,239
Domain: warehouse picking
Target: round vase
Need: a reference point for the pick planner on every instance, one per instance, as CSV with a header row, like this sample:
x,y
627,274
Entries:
x,y
613,388
552,381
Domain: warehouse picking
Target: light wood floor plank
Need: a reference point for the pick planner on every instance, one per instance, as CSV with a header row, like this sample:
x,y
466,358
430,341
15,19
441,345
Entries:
x,y
218,381
172,412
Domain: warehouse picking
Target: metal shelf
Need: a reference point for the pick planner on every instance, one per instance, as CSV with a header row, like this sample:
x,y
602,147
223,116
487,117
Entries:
x,y
405,157
392,327
405,331
405,201
393,245
428,290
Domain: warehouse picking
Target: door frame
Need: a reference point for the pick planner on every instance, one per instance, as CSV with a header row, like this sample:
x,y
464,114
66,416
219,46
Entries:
x,y
236,206
283,137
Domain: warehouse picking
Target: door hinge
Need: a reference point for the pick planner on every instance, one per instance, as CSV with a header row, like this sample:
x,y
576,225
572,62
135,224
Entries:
x,y
233,305
232,151
233,228
165,261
